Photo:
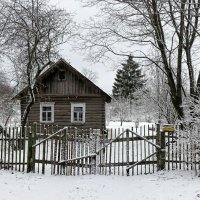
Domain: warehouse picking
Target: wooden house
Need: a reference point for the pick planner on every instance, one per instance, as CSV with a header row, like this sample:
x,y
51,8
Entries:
x,y
66,98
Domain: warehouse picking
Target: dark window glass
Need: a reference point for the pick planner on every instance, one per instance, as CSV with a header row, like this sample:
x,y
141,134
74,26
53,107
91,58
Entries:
x,y
61,75
43,116
78,114
78,109
49,116
75,116
46,113
46,108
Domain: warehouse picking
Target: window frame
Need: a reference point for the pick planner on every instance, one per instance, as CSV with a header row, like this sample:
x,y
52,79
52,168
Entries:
x,y
64,71
73,105
47,104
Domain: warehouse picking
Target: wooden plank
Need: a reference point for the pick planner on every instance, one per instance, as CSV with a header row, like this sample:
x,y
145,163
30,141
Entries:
x,y
13,147
24,149
115,135
20,148
127,148
17,147
43,153
145,151
133,153
110,152
122,152
9,146
137,156
1,149
141,152
59,154
5,149
169,150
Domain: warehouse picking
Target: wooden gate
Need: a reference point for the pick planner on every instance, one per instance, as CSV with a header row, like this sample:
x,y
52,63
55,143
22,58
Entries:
x,y
72,151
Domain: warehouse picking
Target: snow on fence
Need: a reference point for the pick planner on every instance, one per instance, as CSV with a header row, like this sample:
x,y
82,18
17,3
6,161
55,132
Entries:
x,y
71,151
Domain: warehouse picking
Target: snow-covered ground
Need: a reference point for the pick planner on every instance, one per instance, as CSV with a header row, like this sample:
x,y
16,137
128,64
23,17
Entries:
x,y
172,185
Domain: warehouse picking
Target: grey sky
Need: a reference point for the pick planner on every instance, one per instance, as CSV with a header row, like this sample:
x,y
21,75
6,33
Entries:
x,y
105,73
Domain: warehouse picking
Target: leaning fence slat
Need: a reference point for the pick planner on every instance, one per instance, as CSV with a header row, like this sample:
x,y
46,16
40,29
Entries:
x,y
111,141
52,135
132,166
143,138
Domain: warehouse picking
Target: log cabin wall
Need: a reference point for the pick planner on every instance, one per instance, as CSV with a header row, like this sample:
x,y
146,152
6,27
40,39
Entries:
x,y
94,113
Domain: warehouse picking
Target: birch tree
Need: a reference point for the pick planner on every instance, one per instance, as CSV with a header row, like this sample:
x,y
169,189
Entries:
x,y
168,27
33,34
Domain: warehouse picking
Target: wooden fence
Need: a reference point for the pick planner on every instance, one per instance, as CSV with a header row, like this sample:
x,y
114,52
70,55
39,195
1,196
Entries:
x,y
13,148
71,151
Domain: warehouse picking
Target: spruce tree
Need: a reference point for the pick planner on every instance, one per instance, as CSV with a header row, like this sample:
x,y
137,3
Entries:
x,y
128,79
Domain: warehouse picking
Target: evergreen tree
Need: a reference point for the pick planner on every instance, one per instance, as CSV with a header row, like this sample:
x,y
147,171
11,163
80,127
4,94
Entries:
x,y
128,79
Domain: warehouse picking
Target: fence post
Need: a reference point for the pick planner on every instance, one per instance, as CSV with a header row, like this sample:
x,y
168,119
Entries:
x,y
92,150
127,150
97,147
160,140
30,150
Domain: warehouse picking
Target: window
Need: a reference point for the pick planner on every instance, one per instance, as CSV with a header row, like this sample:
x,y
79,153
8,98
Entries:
x,y
78,112
62,75
47,112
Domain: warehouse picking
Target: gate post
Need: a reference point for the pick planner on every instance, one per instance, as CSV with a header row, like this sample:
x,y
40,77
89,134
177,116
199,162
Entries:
x,y
94,147
160,140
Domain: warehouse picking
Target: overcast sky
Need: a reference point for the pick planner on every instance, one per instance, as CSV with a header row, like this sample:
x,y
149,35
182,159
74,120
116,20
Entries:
x,y
105,73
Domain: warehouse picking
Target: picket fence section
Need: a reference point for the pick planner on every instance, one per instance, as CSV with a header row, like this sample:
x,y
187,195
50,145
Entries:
x,y
72,151
14,148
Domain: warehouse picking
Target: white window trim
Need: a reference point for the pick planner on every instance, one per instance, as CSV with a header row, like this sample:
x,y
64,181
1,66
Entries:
x,y
72,112
52,111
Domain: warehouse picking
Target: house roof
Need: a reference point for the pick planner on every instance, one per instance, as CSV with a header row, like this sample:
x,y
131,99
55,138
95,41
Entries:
x,y
64,63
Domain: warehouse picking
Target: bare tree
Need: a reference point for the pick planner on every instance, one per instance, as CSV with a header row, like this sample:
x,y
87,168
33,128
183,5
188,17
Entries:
x,y
6,104
33,33
90,74
120,109
169,27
